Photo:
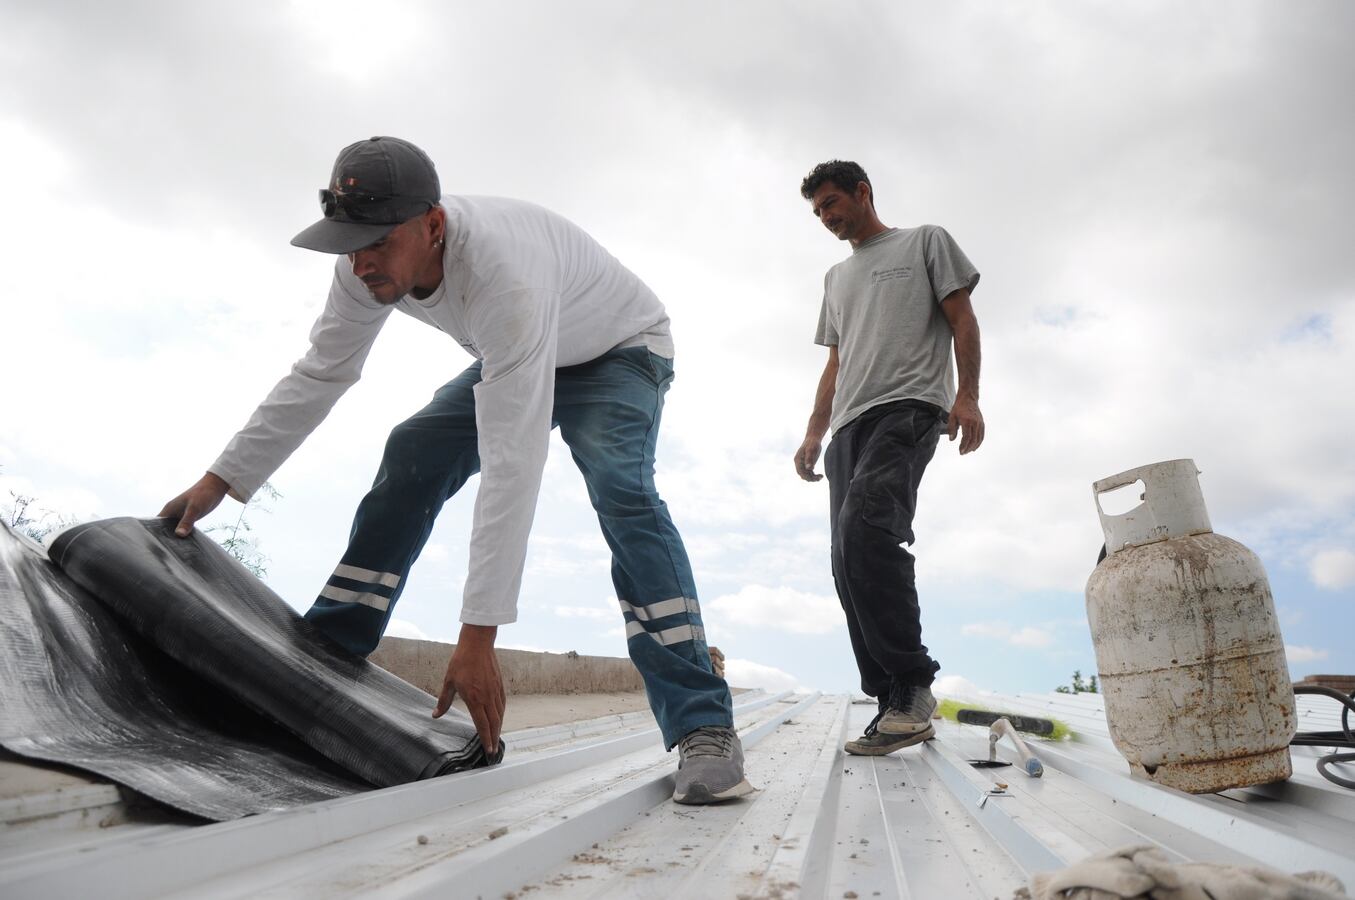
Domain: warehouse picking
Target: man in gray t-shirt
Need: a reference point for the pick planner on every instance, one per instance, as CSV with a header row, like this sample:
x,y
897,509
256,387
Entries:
x,y
891,312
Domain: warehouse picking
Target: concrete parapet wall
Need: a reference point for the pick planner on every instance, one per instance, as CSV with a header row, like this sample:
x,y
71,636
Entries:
x,y
1343,683
424,663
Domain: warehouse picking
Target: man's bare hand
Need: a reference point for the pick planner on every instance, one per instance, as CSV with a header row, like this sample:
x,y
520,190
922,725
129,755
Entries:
x,y
966,421
196,502
473,673
806,456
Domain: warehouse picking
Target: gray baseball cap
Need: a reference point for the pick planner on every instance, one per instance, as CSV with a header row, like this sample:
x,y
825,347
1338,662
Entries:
x,y
377,184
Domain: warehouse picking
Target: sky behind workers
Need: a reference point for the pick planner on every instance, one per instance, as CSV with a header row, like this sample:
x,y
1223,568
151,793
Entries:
x,y
1158,197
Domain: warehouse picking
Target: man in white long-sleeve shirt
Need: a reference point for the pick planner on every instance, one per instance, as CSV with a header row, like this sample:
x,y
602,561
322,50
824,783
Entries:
x,y
562,334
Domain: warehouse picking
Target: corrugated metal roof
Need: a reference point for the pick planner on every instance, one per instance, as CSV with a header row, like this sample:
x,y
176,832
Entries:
x,y
582,810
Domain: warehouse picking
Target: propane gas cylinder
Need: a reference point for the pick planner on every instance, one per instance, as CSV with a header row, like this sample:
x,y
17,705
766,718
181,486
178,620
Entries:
x,y
1188,646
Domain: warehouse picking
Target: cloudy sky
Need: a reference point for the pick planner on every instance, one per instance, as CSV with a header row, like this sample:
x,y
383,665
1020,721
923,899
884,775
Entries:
x,y
1158,195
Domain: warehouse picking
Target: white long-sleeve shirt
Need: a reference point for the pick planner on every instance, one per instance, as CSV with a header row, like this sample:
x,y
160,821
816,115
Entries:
x,y
525,291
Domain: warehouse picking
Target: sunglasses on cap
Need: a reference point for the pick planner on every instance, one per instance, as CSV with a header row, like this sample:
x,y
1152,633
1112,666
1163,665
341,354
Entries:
x,y
375,208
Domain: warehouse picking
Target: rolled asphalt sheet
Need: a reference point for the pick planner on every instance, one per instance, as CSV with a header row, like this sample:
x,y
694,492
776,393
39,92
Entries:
x,y
163,664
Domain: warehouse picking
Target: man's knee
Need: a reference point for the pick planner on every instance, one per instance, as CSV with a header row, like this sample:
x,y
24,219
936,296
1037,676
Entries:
x,y
400,460
615,492
414,453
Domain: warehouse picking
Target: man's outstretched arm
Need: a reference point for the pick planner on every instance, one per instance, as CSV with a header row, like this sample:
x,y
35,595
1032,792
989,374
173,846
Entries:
x,y
809,451
517,332
965,418
340,340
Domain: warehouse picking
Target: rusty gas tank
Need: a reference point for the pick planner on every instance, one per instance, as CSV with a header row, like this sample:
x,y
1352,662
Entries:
x,y
1188,646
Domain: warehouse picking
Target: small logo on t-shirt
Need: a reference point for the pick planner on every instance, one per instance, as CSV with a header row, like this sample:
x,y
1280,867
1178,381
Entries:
x,y
879,275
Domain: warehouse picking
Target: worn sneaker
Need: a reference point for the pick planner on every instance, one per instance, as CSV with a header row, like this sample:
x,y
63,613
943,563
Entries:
x,y
909,710
710,766
876,743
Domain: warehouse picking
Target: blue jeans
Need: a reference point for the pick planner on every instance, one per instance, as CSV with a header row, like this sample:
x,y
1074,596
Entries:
x,y
608,412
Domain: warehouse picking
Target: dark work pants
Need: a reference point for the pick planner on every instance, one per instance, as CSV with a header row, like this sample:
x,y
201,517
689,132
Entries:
x,y
874,466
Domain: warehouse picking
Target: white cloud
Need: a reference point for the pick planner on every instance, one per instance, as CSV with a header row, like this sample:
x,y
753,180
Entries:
x,y
1026,636
1303,654
435,553
797,556
780,609
734,481
404,629
1029,636
105,413
1333,569
587,612
1289,615
555,556
319,23
745,673
954,685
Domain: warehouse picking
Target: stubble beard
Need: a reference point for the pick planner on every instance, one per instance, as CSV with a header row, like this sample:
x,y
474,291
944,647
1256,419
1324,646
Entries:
x,y
386,302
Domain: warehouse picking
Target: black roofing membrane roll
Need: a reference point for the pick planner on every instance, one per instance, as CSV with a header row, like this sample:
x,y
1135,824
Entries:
x,y
191,682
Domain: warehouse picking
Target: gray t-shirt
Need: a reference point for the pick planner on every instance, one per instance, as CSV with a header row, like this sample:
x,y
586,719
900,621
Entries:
x,y
882,310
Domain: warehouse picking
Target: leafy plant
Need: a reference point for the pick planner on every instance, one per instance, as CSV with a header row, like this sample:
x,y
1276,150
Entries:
x,y
22,516
239,539
1089,686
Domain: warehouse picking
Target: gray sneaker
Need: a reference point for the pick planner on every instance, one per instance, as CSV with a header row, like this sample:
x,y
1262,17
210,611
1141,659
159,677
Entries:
x,y
710,766
876,743
909,710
